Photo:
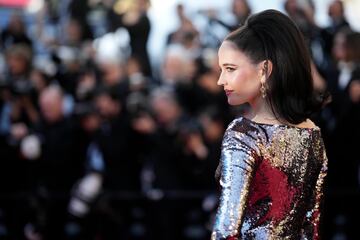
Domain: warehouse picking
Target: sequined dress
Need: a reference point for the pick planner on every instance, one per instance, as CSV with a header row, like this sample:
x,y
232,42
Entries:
x,y
271,179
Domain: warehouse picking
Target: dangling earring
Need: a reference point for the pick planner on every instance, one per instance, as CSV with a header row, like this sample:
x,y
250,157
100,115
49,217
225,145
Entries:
x,y
263,90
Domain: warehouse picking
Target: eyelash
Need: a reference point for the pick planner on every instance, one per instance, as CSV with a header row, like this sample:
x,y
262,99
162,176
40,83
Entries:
x,y
230,69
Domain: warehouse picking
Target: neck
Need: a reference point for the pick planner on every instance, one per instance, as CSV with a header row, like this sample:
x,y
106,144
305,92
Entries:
x,y
261,112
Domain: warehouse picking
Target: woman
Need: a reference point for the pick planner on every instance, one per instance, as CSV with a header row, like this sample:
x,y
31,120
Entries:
x,y
132,15
273,162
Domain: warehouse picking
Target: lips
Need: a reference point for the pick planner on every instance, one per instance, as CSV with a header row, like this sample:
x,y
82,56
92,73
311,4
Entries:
x,y
228,92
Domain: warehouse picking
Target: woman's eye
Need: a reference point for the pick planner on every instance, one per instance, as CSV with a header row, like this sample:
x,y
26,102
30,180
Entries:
x,y
230,69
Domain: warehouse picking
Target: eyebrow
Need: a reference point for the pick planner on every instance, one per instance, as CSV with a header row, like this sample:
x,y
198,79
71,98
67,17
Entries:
x,y
228,64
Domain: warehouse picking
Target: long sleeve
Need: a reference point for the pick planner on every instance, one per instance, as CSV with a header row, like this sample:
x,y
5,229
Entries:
x,y
237,166
313,215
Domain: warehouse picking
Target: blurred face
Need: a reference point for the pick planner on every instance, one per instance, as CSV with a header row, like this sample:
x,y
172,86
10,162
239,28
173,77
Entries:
x,y
107,106
240,7
239,76
166,110
143,5
16,24
74,31
112,73
291,6
335,10
90,123
339,47
51,105
172,68
37,80
133,66
17,64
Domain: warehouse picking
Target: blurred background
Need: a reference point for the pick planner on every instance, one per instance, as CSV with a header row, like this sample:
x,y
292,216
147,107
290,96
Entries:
x,y
111,121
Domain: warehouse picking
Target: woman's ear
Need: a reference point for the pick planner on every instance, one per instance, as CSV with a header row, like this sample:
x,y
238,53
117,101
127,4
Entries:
x,y
267,68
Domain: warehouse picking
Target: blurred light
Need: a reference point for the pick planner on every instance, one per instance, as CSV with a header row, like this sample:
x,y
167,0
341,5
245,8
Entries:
x,y
34,6
31,147
352,9
113,47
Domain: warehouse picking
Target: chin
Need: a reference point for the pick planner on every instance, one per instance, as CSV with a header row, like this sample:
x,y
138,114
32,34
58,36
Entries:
x,y
233,102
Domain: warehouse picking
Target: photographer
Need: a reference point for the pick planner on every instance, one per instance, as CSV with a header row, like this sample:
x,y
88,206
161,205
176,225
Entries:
x,y
121,173
87,190
132,15
18,59
60,164
19,115
177,159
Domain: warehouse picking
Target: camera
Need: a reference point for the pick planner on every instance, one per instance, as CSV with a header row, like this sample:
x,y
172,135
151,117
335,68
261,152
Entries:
x,y
137,105
83,109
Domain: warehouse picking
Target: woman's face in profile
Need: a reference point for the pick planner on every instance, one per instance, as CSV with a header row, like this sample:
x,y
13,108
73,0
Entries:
x,y
239,76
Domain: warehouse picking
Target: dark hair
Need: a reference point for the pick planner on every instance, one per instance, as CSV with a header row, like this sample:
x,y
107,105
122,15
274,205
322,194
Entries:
x,y
271,35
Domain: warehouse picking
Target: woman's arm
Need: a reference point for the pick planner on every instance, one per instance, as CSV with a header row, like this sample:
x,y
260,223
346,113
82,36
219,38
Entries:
x,y
237,168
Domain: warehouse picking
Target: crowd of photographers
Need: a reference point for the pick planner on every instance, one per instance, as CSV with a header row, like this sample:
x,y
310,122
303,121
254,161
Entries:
x,y
105,146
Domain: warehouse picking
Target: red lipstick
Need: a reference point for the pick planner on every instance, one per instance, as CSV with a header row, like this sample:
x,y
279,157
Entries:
x,y
228,92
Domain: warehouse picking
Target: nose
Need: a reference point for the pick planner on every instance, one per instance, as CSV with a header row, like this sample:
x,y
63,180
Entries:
x,y
221,81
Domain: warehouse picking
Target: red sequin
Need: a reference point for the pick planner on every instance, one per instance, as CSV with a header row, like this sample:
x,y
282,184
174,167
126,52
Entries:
x,y
270,182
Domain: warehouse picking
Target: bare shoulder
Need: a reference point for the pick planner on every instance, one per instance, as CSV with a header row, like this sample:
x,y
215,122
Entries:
x,y
306,124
